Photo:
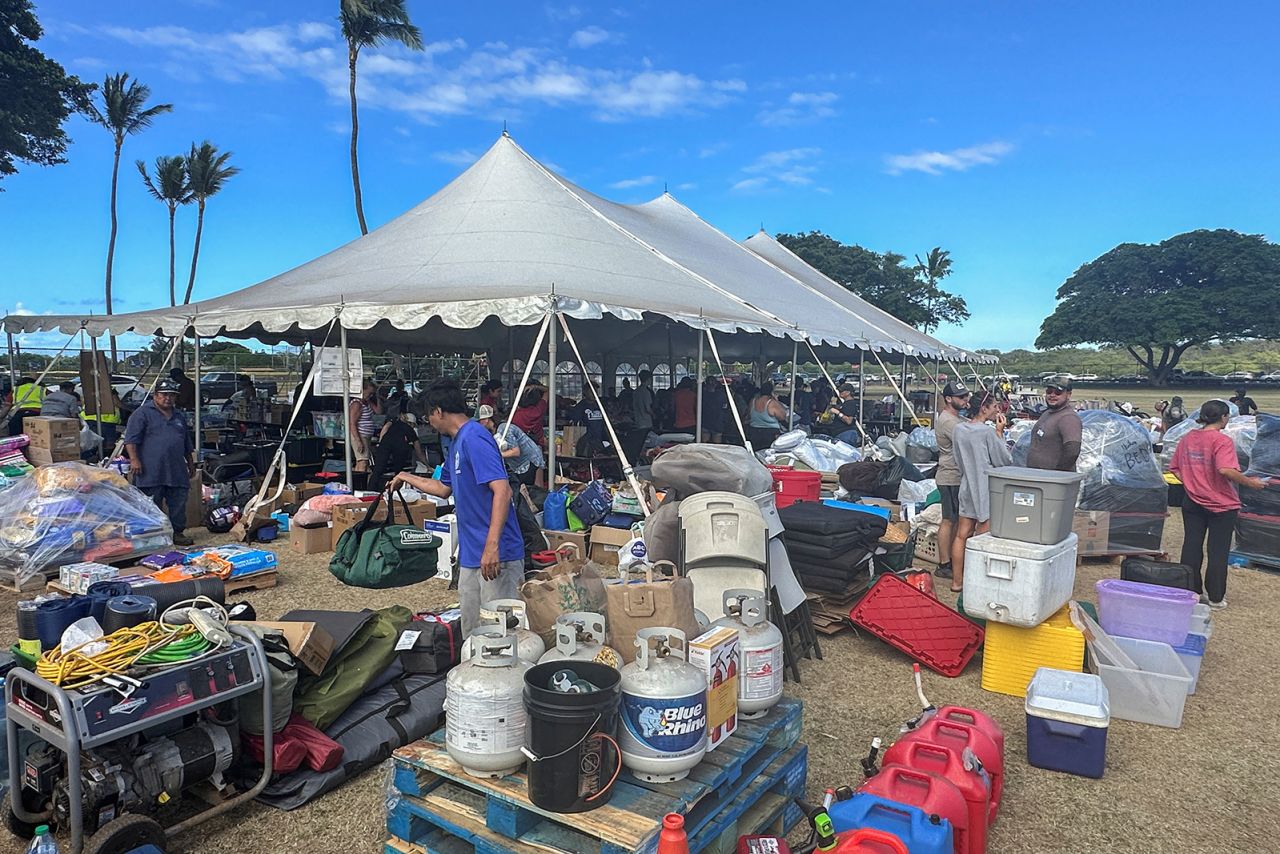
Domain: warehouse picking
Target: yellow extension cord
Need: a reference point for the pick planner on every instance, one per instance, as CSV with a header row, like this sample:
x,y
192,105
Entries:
x,y
74,669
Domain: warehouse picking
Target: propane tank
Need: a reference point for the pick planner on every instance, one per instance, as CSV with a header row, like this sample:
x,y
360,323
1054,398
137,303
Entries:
x,y
760,644
485,718
580,637
664,708
513,616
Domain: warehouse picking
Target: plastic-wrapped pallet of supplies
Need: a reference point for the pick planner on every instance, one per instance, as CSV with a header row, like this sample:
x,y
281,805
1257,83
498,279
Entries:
x,y
1258,525
70,512
1241,428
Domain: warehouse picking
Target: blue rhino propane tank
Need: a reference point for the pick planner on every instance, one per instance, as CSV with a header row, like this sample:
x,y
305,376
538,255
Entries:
x,y
664,708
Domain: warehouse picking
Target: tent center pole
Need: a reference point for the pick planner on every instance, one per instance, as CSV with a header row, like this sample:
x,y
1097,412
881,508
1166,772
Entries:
x,y
346,405
700,390
862,384
902,413
937,369
195,354
551,407
97,391
13,366
791,407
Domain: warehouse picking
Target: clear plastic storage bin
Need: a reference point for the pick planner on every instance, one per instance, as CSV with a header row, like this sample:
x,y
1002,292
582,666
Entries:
x,y
1145,611
1155,693
1192,655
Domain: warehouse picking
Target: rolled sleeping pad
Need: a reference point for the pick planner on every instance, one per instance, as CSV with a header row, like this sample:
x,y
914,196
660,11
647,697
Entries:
x,y
28,628
101,591
53,617
128,611
174,592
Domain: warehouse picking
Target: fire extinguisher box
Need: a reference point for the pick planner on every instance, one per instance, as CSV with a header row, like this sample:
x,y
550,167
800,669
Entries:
x,y
715,652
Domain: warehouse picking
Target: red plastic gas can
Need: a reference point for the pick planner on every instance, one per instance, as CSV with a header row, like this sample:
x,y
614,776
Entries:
x,y
869,840
975,718
945,761
956,735
932,794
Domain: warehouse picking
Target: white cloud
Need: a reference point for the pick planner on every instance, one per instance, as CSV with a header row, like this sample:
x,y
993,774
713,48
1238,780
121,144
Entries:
x,y
712,150
687,185
562,13
792,167
799,107
446,79
461,157
956,160
632,183
590,37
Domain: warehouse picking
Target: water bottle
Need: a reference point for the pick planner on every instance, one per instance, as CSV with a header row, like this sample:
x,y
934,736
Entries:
x,y
43,842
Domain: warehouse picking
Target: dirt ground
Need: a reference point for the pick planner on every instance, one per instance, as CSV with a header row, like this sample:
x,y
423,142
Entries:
x,y
1207,787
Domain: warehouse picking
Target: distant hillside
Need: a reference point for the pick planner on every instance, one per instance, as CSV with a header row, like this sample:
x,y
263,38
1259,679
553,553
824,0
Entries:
x,y
1255,356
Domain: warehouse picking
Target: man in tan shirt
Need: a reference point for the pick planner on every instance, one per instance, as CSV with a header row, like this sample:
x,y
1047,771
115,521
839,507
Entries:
x,y
955,397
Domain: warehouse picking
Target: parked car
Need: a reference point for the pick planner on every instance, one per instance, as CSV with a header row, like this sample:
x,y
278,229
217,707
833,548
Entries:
x,y
1085,378
1242,376
1272,377
1197,377
131,391
220,385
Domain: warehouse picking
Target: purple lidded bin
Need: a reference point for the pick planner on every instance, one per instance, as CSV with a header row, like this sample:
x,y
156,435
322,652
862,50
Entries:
x,y
1131,609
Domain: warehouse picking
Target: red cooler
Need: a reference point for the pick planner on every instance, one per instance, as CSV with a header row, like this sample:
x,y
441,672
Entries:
x,y
956,735
934,795
945,761
792,486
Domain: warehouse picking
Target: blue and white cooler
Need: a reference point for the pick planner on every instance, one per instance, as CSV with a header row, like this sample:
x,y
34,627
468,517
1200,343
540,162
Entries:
x,y
1068,715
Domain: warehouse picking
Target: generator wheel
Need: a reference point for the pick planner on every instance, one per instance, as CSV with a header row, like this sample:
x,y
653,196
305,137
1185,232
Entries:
x,y
126,833
22,829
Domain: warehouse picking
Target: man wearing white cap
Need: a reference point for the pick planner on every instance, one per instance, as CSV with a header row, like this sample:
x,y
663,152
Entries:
x,y
521,454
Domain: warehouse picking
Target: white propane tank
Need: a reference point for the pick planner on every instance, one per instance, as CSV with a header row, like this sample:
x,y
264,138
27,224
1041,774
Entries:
x,y
664,708
580,636
485,718
760,666
501,612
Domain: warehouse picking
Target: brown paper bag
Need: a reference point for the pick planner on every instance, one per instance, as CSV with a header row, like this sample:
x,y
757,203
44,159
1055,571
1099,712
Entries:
x,y
655,601
572,584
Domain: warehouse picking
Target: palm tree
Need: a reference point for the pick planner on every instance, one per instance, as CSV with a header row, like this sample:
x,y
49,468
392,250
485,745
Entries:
x,y
369,23
207,172
933,268
171,188
123,112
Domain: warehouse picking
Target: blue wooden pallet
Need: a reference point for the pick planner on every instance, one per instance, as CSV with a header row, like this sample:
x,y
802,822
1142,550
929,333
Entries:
x,y
731,781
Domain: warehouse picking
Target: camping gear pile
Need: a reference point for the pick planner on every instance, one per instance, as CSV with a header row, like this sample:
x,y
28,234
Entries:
x,y
1123,497
69,512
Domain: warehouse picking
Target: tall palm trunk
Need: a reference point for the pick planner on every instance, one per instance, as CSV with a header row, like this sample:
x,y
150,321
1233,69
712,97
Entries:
x,y
195,253
111,243
173,298
352,54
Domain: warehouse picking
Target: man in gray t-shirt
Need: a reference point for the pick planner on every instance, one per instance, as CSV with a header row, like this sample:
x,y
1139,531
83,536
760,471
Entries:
x,y
1055,440
955,397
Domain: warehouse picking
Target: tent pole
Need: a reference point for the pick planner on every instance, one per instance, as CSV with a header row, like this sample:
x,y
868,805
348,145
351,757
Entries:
x,y
97,391
937,369
862,384
195,354
857,422
551,408
700,390
791,409
511,371
13,367
733,408
671,362
903,411
346,405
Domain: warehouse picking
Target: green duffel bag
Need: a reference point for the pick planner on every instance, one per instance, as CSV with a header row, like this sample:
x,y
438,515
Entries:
x,y
380,554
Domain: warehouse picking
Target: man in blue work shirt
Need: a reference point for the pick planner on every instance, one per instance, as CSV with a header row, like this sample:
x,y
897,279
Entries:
x,y
160,448
490,548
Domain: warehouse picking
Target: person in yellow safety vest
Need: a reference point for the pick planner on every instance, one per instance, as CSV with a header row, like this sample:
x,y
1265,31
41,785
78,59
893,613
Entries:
x,y
107,424
27,398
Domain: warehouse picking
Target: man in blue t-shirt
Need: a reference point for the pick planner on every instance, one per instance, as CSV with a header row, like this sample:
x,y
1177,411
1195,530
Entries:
x,y
490,548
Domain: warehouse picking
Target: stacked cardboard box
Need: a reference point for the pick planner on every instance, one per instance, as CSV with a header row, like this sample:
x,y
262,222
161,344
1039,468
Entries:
x,y
53,440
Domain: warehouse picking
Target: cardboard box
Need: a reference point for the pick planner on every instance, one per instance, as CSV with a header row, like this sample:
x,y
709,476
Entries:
x,y
446,528
606,542
310,541
51,434
77,577
556,539
347,515
308,642
309,490
568,439
46,457
1093,527
716,653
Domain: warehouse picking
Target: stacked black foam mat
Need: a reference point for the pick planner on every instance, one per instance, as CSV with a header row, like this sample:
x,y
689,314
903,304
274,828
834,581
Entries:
x,y
830,548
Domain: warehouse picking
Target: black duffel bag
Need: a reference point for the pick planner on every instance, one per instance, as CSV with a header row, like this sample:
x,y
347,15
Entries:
x,y
1160,572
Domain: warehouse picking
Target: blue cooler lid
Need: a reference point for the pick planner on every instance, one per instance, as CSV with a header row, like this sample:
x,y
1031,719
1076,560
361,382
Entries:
x,y
1194,645
1078,698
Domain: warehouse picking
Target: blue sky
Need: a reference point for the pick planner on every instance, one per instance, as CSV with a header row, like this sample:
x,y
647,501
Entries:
x,y
1027,138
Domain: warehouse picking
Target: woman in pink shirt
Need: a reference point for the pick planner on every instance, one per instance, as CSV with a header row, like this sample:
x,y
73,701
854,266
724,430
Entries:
x,y
1206,463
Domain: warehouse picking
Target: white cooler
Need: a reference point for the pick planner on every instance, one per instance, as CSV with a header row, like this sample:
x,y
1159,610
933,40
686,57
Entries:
x,y
1019,583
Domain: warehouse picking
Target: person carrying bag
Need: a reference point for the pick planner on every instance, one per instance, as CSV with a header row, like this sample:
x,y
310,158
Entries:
x,y
379,554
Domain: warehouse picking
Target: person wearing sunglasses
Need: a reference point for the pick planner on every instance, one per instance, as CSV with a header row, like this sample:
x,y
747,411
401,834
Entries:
x,y
1055,440
955,397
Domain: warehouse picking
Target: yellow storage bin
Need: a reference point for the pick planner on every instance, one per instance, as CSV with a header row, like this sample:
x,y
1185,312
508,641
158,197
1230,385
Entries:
x,y
1012,654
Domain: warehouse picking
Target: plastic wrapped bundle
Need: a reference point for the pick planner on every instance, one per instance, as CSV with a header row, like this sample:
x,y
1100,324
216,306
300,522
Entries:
x,y
1243,430
1019,428
70,512
1120,470
923,437
1258,525
1186,425
817,452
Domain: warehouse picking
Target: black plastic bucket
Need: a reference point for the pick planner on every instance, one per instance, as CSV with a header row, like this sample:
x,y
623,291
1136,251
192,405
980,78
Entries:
x,y
572,736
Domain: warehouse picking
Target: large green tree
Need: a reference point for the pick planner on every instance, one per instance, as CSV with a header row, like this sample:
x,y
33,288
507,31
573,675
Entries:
x,y
36,93
911,294
1158,300
207,174
369,23
172,189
